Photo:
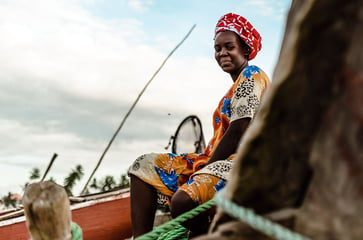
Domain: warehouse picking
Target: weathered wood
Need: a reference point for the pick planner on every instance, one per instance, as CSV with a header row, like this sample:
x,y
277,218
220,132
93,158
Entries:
x,y
310,121
47,211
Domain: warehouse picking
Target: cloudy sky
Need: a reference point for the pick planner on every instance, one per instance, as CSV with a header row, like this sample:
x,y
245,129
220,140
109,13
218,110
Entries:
x,y
71,69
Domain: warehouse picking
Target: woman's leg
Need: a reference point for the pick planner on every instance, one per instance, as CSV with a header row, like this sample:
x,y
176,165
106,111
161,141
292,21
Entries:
x,y
143,206
159,171
198,190
181,202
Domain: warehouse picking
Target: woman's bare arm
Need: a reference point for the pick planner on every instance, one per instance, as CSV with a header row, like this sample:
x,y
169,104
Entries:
x,y
230,140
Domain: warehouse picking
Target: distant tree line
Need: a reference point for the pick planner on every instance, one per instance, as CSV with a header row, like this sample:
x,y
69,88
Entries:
x,y
107,183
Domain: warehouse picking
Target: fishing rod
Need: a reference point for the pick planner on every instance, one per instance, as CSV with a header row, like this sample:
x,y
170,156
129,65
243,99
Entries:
x,y
132,107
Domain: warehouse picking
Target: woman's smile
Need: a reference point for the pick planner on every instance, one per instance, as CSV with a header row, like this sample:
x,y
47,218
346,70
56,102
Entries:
x,y
225,62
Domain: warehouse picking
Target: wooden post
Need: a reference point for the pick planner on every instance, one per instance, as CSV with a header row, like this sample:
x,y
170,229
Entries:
x,y
47,211
308,134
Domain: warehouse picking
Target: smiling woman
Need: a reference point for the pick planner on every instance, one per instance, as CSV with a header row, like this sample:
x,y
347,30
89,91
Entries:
x,y
230,53
186,180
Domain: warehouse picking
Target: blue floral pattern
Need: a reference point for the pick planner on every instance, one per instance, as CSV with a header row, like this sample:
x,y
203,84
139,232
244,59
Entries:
x,y
250,70
170,180
226,108
220,185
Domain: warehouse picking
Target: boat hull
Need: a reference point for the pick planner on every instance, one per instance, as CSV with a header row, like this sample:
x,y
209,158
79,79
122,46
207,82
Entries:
x,y
107,218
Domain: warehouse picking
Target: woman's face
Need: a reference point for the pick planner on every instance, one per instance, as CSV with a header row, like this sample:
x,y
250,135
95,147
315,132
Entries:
x,y
230,53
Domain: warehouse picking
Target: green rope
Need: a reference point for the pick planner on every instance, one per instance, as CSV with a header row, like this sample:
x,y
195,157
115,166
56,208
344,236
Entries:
x,y
175,224
174,230
257,222
179,232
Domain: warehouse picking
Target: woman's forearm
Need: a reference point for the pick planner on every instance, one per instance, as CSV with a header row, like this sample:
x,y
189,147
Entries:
x,y
229,143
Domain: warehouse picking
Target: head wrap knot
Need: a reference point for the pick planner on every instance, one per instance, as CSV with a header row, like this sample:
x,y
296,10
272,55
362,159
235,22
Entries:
x,y
244,29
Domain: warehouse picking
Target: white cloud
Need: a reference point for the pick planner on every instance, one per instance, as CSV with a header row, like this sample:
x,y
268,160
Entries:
x,y
140,5
68,48
268,8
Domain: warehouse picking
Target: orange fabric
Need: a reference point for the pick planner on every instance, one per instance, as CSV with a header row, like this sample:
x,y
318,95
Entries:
x,y
201,188
168,172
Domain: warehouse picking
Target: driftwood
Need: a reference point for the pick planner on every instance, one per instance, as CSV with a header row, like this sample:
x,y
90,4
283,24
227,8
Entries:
x,y
304,148
47,211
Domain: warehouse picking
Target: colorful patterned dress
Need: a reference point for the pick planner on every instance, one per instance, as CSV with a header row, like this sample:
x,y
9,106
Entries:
x,y
168,172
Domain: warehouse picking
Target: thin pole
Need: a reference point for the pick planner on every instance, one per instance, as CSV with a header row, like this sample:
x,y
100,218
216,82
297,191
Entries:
x,y
49,166
132,107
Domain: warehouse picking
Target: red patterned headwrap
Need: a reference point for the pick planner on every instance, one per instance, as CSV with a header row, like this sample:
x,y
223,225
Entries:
x,y
244,29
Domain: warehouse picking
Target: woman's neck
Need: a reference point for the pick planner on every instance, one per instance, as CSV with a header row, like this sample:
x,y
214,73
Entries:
x,y
236,74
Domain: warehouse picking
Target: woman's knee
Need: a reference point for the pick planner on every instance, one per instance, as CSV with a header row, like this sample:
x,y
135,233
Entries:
x,y
181,202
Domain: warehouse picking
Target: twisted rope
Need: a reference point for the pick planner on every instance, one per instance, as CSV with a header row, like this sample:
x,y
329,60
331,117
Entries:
x,y
175,224
257,222
174,230
179,233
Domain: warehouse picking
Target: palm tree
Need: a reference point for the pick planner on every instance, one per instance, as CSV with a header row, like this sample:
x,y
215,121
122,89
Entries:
x,y
124,181
70,181
34,174
8,200
94,184
108,183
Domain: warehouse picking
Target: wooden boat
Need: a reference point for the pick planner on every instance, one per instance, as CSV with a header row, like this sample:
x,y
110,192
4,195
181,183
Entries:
x,y
101,216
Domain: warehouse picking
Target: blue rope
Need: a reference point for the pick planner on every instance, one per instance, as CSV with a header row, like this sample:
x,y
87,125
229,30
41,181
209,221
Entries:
x,y
257,222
